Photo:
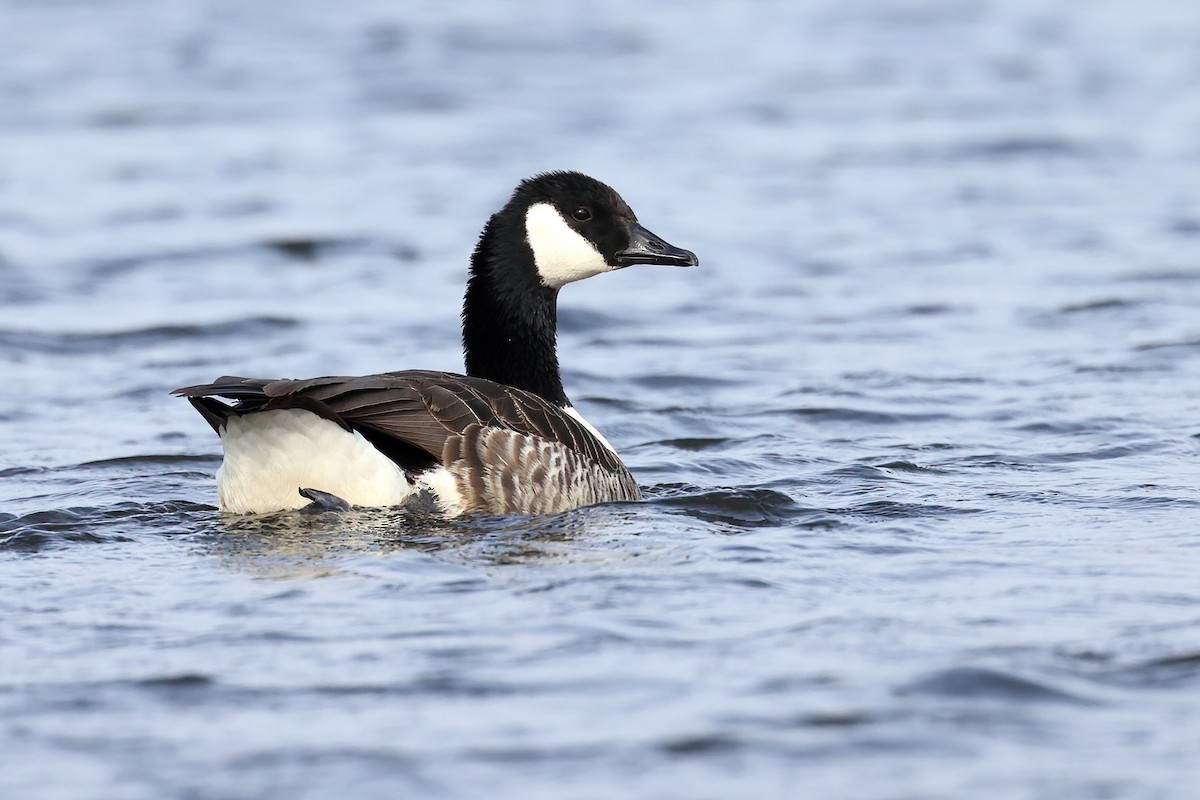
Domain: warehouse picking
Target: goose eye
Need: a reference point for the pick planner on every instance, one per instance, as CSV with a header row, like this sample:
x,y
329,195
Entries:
x,y
583,213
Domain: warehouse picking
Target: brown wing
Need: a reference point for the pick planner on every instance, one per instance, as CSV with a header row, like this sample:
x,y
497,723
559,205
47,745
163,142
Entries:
x,y
418,409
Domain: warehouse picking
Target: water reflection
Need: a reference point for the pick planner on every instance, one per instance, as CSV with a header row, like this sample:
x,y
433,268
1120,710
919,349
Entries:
x,y
305,545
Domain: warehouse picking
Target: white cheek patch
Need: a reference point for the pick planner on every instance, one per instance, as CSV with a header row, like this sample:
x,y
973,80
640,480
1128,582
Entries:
x,y
560,254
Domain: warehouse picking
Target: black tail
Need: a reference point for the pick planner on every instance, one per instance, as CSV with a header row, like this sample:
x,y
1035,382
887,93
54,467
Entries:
x,y
230,386
249,395
214,411
248,392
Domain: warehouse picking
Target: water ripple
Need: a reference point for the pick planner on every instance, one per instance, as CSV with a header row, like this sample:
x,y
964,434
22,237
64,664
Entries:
x,y
119,522
108,341
990,684
742,508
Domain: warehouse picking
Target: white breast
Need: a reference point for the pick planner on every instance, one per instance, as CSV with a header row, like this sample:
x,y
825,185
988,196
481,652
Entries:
x,y
271,455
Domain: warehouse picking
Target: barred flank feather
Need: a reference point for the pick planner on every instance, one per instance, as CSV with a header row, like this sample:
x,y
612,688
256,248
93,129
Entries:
x,y
500,471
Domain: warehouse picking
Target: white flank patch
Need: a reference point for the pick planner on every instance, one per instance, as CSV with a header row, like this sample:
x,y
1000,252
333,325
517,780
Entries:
x,y
571,412
444,488
561,254
271,455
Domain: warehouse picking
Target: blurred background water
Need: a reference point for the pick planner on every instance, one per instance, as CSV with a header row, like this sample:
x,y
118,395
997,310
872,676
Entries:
x,y
920,437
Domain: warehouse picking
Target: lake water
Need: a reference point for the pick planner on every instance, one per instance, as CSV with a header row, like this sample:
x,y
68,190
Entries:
x,y
920,437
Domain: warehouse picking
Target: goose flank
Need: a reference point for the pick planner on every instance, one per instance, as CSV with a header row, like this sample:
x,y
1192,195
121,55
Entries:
x,y
501,439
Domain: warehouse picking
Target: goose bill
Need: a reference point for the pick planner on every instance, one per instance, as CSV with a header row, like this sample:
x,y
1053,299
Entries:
x,y
646,248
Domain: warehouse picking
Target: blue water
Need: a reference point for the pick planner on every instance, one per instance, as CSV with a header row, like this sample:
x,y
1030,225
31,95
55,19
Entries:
x,y
920,438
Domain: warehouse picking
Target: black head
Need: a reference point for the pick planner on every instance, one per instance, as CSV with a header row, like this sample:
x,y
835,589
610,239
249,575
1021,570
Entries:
x,y
577,227
557,228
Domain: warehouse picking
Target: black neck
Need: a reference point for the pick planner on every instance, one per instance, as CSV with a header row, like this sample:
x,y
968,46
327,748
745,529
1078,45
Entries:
x,y
510,318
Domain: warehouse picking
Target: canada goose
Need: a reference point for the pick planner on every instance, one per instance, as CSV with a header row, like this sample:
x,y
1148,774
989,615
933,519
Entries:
x,y
502,439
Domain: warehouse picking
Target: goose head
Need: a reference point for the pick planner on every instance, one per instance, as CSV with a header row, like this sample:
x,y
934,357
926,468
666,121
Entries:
x,y
557,228
576,227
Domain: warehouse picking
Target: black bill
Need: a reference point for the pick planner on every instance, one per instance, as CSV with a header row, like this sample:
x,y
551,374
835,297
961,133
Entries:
x,y
646,248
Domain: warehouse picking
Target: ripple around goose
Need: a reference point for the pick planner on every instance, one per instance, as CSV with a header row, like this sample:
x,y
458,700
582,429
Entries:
x,y
503,438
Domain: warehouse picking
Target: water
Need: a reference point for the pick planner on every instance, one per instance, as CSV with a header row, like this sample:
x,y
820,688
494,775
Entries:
x,y
920,437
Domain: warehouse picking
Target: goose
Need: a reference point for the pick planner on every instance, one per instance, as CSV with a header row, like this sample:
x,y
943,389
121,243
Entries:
x,y
502,438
